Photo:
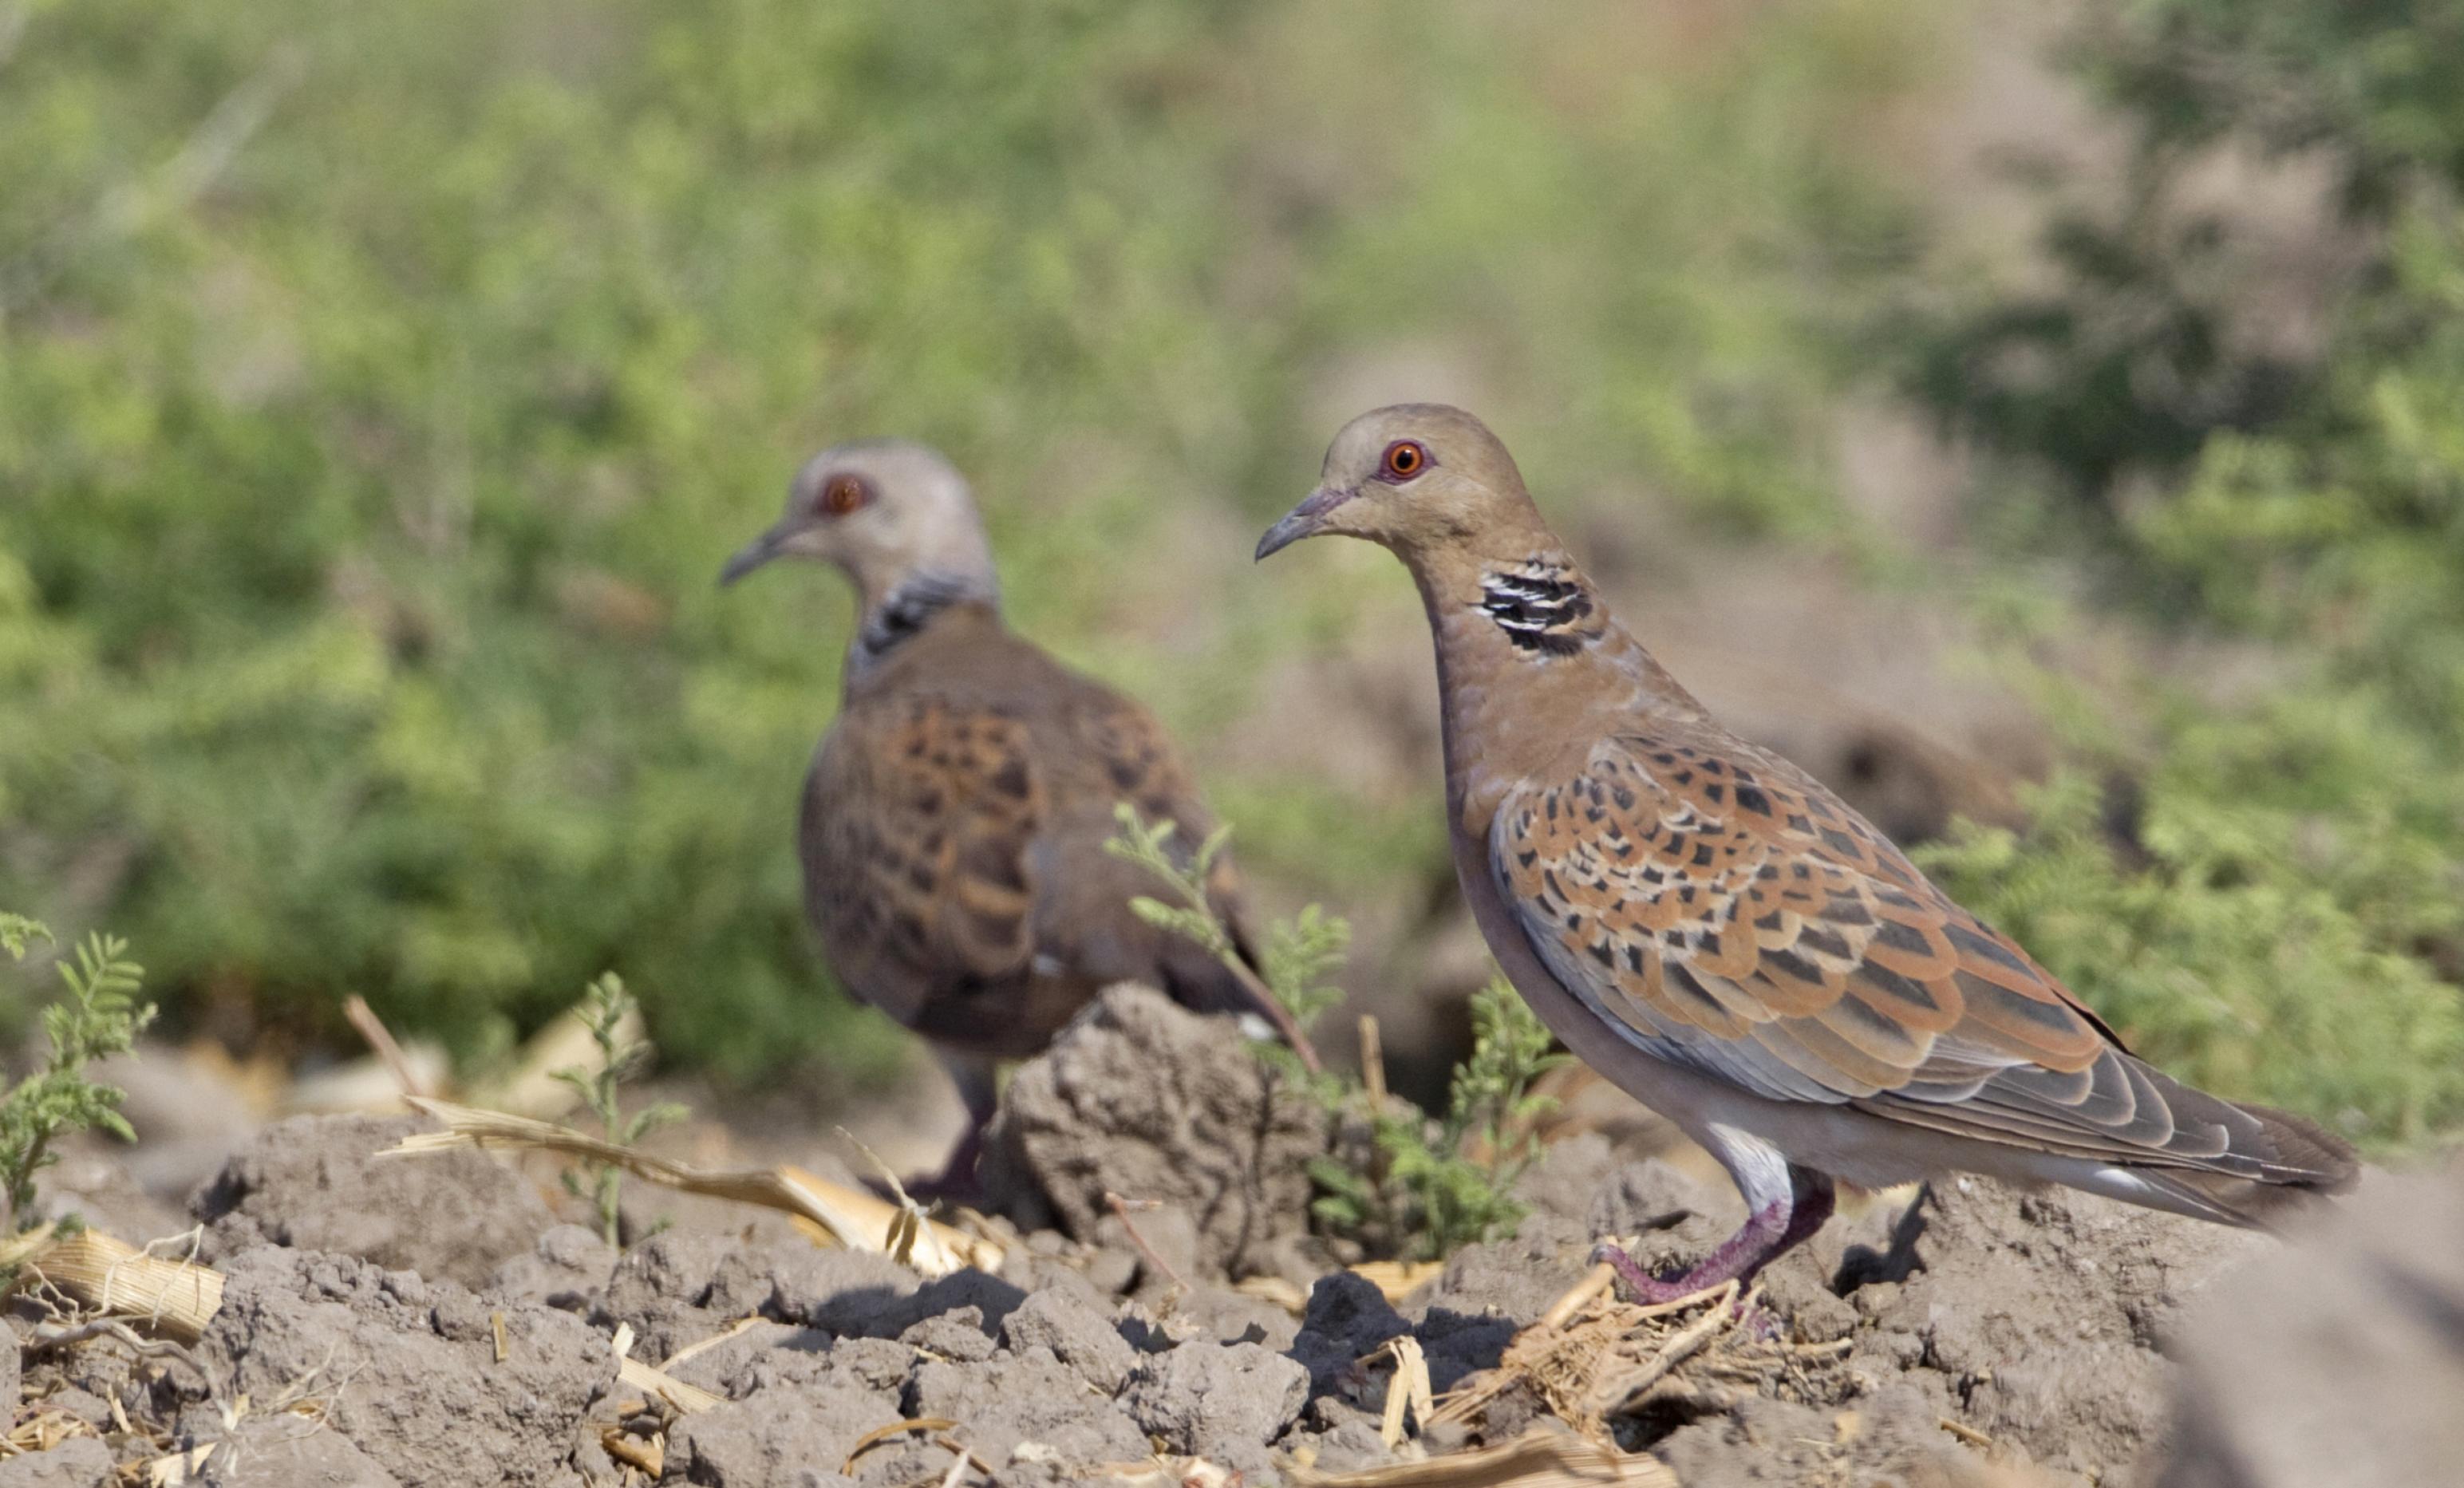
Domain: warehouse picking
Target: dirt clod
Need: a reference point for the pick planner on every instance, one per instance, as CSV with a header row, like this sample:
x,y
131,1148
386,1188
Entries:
x,y
667,1289
1004,1402
757,1355
314,1183
1144,1099
1066,1322
406,1368
991,1298
2038,1316
957,1334
834,1289
1348,1318
797,1435
287,1452
2339,1359
1230,1400
78,1462
567,1269
1893,1435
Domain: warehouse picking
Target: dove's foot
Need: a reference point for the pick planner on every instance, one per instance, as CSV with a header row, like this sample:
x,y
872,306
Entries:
x,y
1773,1232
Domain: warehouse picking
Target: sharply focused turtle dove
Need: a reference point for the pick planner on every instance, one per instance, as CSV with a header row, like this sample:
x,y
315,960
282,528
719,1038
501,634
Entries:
x,y
956,812
1720,935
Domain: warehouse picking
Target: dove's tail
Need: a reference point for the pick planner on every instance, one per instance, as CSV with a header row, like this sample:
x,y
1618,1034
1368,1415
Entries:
x,y
2303,1167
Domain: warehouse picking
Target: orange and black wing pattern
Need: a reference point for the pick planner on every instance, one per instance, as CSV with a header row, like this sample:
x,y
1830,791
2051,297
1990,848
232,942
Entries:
x,y
921,818
1721,909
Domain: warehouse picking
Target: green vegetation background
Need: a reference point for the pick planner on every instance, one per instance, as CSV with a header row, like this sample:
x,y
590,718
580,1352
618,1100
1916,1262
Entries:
x,y
381,387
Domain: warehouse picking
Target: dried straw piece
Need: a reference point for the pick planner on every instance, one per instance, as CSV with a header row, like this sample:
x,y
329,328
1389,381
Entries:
x,y
1161,1472
641,1452
1541,1457
1595,1283
1410,1387
938,1428
847,1218
1611,1392
42,1431
176,1469
687,1399
704,1345
1579,1358
381,1042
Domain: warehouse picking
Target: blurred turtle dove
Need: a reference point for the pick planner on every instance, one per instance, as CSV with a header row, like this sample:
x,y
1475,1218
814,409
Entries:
x,y
956,812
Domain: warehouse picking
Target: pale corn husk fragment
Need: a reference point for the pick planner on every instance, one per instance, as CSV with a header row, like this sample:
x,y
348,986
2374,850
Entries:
x,y
1398,1280
648,1454
1280,1291
170,1299
844,1216
1541,1457
1394,1280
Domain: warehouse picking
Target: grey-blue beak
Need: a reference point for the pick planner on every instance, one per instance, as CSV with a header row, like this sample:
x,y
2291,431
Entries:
x,y
752,556
1302,521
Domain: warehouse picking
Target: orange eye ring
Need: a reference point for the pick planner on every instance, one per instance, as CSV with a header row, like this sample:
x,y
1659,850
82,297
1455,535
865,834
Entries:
x,y
1405,458
843,493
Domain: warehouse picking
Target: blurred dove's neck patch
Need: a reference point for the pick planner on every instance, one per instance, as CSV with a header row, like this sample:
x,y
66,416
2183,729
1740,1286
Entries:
x,y
908,609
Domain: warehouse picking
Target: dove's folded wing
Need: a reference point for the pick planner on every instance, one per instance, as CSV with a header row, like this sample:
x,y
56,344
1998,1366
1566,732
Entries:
x,y
1722,912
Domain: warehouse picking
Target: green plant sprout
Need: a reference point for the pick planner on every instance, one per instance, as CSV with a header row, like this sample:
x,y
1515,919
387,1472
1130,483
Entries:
x,y
1194,917
100,1017
608,1010
17,932
1300,953
1429,1187
1437,1186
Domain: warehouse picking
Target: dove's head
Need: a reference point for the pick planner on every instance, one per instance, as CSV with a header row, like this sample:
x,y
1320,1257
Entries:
x,y
1417,477
885,511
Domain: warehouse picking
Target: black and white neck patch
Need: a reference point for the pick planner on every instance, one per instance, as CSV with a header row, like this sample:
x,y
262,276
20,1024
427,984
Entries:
x,y
1541,606
907,610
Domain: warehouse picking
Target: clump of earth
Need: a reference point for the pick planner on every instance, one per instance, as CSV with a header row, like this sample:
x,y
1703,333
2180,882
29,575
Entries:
x,y
411,1321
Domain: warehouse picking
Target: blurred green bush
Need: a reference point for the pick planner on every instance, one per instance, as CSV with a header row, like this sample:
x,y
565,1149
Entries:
x,y
382,385
2280,907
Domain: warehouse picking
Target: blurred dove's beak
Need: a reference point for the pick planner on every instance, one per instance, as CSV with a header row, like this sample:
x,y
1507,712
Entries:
x,y
752,556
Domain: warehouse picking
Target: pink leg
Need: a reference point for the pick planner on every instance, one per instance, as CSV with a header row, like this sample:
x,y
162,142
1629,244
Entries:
x,y
956,1182
1772,1232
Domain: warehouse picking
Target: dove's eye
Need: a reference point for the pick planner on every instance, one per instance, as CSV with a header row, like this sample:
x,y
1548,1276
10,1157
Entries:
x,y
1404,459
844,494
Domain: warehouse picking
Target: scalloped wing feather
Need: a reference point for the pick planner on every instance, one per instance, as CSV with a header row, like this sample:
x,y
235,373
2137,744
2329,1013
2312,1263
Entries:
x,y
920,821
1723,910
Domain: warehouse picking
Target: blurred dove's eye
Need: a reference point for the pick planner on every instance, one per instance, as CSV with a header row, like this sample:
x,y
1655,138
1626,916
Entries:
x,y
1405,459
844,494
